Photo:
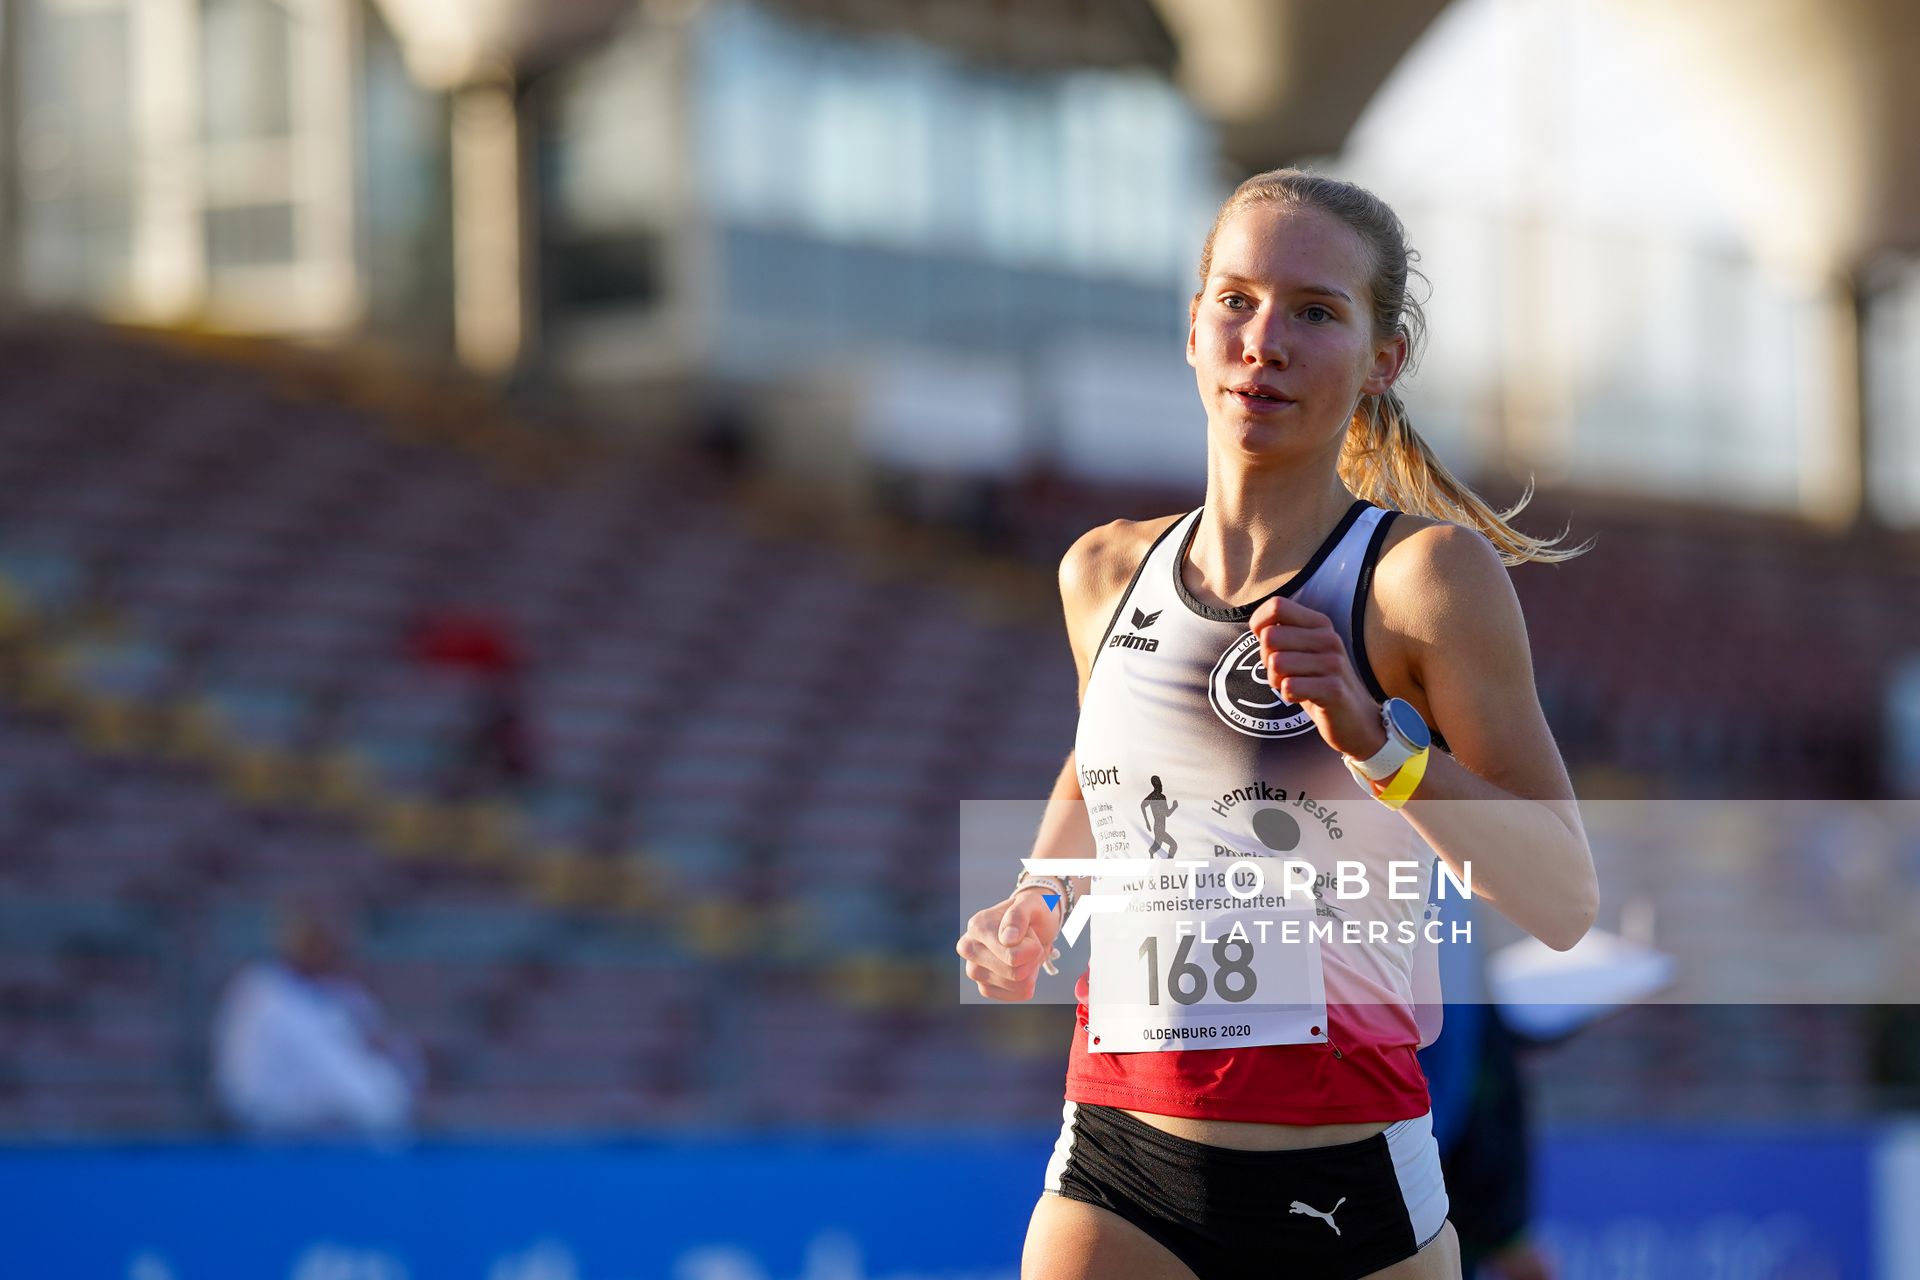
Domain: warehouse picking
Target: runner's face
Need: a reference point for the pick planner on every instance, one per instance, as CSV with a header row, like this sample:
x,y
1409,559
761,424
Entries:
x,y
1287,307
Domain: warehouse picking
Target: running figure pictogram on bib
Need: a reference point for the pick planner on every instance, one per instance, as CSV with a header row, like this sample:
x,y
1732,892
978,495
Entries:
x,y
1154,809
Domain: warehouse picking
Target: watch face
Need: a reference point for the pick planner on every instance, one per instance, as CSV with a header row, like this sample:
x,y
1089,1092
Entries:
x,y
1408,724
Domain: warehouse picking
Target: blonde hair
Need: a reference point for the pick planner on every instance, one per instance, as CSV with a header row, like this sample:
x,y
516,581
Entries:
x,y
1384,460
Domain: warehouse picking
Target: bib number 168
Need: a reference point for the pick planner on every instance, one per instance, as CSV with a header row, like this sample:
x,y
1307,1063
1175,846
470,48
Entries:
x,y
1186,981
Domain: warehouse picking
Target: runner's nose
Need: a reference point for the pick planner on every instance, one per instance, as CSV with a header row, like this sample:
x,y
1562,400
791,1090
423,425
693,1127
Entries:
x,y
1264,341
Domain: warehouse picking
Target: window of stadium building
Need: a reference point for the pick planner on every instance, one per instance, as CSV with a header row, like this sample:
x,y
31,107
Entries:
x,y
893,142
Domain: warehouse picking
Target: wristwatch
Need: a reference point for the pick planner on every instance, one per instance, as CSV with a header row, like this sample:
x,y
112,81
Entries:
x,y
1407,737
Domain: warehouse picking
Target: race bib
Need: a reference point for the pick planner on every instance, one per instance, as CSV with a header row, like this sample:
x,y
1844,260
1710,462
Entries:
x,y
1189,966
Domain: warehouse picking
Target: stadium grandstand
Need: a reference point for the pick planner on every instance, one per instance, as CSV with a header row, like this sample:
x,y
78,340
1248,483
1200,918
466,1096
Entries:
x,y
580,487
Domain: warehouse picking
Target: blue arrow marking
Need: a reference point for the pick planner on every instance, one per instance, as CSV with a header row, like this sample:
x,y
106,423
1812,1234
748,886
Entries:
x,y
1051,899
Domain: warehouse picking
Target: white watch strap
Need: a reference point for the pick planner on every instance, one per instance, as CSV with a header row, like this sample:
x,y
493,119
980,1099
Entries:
x,y
1385,762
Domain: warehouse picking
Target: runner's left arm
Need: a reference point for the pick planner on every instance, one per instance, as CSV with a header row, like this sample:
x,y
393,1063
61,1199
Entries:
x,y
1502,801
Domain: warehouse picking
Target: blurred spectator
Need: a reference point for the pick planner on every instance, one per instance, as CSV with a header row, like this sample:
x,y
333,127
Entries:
x,y
300,1047
461,639
725,433
497,750
1480,1119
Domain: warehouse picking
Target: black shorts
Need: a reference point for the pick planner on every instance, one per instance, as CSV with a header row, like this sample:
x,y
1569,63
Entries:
x,y
1330,1213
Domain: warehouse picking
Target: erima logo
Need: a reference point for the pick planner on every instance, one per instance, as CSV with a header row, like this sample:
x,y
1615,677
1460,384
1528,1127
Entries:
x,y
1127,640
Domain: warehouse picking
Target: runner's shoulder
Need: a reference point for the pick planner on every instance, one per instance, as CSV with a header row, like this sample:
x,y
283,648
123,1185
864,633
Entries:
x,y
1430,569
1100,563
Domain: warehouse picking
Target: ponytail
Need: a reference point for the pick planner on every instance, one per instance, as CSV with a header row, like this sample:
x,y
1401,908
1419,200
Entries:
x,y
1385,461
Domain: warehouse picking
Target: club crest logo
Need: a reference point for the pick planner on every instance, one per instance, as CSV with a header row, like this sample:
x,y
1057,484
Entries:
x,y
1241,696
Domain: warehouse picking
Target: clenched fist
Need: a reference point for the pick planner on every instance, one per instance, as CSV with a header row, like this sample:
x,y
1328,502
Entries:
x,y
1305,662
1005,944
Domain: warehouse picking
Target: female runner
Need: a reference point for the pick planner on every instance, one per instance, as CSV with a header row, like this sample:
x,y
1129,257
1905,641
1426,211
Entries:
x,y
1337,612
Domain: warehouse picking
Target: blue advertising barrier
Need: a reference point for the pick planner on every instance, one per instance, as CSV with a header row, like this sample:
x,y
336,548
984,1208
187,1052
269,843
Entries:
x,y
698,1211
1679,1205
1640,1205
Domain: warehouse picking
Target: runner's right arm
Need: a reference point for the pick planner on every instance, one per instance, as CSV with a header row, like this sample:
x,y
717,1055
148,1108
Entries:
x,y
1005,943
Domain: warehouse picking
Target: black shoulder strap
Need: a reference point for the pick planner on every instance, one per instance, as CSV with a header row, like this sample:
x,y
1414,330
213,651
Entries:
x,y
1362,588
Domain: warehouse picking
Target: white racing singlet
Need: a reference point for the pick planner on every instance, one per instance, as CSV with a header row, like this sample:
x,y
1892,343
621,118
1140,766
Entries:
x,y
1184,751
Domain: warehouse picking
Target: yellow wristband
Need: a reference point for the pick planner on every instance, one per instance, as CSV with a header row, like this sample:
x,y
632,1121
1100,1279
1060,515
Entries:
x,y
1405,780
